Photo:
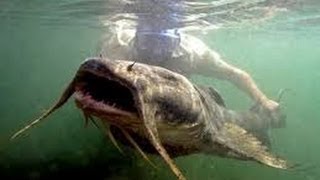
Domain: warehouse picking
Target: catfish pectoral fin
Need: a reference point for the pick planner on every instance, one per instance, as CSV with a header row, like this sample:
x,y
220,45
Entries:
x,y
155,141
62,100
135,145
152,133
245,144
153,136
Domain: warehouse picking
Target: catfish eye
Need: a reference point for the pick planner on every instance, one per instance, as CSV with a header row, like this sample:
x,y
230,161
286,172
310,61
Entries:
x,y
129,68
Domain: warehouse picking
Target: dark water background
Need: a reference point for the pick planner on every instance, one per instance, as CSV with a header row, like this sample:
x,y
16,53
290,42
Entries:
x,y
41,47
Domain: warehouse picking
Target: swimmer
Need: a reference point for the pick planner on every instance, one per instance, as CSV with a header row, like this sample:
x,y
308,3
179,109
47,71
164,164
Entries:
x,y
157,42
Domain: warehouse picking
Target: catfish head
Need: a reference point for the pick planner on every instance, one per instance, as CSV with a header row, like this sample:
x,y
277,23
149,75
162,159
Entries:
x,y
131,96
160,108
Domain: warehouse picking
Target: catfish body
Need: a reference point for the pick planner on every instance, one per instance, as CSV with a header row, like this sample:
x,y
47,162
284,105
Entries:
x,y
160,111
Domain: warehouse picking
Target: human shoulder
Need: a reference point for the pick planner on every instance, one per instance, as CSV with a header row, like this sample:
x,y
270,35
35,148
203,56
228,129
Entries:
x,y
117,44
197,47
124,37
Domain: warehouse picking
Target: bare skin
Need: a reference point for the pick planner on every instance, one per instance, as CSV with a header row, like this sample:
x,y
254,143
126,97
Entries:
x,y
191,57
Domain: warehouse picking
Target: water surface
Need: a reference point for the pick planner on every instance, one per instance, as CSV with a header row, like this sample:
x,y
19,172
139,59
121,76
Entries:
x,y
43,42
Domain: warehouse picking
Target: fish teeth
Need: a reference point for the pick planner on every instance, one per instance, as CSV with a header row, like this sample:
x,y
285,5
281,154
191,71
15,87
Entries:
x,y
87,118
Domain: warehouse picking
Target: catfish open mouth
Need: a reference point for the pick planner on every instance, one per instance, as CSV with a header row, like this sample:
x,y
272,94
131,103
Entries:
x,y
97,93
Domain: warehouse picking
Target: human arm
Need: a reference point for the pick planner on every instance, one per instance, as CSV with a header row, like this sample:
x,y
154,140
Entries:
x,y
213,65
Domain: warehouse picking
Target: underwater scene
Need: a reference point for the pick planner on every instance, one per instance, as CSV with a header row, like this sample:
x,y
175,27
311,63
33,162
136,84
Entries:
x,y
43,44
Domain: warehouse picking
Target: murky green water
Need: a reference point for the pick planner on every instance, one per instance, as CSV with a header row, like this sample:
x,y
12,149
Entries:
x,y
39,55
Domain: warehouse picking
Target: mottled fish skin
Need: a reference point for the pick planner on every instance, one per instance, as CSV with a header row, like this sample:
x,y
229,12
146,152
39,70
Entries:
x,y
177,119
168,114
188,119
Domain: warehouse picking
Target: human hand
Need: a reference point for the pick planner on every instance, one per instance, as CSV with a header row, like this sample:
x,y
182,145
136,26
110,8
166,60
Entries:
x,y
272,108
270,105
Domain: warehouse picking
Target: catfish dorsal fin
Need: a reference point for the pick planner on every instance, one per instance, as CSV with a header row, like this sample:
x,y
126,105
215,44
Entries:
x,y
211,92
